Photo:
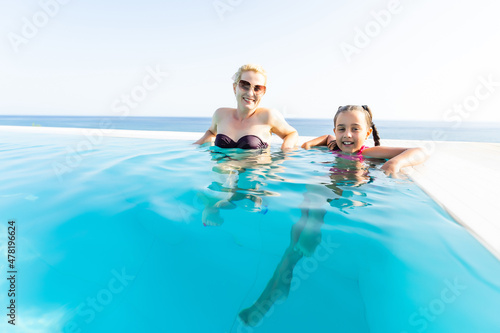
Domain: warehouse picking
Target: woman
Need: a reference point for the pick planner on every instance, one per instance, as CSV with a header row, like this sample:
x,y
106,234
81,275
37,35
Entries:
x,y
247,126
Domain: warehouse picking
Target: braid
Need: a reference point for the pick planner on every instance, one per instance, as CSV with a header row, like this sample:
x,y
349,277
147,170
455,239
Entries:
x,y
376,136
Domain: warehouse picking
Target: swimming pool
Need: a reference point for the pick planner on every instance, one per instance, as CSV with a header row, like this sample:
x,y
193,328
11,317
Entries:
x,y
124,237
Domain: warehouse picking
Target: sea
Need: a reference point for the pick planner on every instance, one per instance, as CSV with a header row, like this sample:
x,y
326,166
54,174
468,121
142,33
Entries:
x,y
388,129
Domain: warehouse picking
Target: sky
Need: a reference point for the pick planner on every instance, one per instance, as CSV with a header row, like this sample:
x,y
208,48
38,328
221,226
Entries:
x,y
407,60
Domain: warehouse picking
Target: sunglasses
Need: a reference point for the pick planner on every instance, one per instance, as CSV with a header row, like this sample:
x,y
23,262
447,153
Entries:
x,y
246,86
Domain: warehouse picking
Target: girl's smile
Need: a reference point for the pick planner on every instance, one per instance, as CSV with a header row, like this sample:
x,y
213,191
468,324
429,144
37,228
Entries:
x,y
351,131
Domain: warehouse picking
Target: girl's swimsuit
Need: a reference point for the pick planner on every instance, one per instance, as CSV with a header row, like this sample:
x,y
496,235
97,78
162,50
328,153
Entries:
x,y
358,155
337,149
245,142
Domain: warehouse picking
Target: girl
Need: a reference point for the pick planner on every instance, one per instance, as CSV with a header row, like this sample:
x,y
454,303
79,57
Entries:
x,y
352,126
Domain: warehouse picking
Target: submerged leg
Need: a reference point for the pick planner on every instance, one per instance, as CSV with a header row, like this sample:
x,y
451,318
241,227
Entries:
x,y
278,286
304,238
277,289
211,211
310,237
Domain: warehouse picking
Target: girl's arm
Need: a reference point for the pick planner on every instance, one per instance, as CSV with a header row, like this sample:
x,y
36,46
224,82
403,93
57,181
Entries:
x,y
398,157
319,141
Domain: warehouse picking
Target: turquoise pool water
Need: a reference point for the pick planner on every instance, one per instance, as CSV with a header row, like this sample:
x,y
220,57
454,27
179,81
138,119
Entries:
x,y
137,235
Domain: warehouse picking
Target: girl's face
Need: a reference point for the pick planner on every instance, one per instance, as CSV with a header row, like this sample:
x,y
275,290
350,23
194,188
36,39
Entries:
x,y
351,131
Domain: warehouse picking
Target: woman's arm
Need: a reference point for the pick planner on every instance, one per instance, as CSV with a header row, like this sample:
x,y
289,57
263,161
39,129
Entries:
x,y
324,140
283,130
290,140
207,137
211,132
398,157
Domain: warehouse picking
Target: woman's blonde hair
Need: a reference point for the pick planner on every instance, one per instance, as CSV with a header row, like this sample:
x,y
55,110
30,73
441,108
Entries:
x,y
249,67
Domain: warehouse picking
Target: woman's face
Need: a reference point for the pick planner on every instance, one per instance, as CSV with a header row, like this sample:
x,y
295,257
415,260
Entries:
x,y
248,97
351,131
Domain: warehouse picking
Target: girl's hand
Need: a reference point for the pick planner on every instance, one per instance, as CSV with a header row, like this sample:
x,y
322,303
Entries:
x,y
306,145
391,167
319,141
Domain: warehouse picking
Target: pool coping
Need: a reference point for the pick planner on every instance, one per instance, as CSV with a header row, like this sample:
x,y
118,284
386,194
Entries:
x,y
461,190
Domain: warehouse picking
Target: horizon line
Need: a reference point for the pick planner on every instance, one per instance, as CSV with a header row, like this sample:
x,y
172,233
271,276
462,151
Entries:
x,y
208,117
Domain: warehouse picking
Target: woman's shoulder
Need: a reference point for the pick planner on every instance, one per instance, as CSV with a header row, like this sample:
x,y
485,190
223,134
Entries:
x,y
225,110
269,115
221,112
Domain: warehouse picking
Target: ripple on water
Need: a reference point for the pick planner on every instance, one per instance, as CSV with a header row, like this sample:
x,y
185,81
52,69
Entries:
x,y
181,217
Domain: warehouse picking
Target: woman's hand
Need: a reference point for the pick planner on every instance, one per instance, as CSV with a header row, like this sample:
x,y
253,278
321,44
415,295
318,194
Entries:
x,y
207,137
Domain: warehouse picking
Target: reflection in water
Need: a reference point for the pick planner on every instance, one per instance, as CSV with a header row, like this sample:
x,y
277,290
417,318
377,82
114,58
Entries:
x,y
353,173
305,235
238,177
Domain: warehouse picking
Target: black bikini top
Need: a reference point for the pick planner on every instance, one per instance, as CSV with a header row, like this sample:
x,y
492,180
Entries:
x,y
245,142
